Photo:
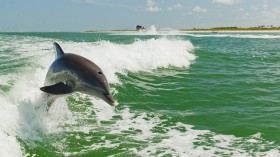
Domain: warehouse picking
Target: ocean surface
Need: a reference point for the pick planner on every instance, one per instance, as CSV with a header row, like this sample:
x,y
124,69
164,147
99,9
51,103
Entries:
x,y
179,94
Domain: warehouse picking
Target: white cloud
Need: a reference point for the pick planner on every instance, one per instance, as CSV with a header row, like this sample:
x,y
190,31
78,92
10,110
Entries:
x,y
246,15
265,5
269,15
95,2
151,6
198,9
86,1
227,2
177,6
255,9
263,14
188,13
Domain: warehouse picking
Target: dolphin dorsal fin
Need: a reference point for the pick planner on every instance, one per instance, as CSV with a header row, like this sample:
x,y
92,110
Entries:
x,y
58,50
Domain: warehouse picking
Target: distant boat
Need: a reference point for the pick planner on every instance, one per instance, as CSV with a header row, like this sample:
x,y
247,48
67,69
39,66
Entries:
x,y
140,28
214,32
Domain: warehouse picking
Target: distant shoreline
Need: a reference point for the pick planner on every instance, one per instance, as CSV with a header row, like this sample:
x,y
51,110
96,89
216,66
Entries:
x,y
92,31
213,30
234,29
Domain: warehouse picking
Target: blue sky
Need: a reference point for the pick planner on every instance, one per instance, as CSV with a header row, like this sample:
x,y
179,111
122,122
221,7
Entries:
x,y
80,15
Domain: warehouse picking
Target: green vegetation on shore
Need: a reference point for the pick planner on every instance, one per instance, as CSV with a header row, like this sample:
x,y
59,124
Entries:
x,y
260,28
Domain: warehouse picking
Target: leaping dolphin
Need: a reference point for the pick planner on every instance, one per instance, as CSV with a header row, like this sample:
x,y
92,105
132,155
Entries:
x,y
70,73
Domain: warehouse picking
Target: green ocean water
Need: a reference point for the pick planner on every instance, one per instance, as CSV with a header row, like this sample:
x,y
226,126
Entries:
x,y
178,94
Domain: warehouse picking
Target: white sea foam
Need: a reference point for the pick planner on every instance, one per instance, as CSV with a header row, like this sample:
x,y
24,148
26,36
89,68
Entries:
x,y
8,129
15,116
181,139
142,55
21,115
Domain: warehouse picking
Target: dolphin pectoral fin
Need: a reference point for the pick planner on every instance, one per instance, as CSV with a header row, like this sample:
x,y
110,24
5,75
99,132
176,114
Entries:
x,y
59,88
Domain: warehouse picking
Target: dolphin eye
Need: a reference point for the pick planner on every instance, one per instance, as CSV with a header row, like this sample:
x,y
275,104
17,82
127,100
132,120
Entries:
x,y
99,72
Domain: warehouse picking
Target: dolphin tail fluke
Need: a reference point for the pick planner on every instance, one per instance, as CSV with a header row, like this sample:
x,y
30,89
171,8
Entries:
x,y
56,89
58,50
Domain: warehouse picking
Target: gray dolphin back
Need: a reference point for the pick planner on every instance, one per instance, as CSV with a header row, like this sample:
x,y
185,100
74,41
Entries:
x,y
58,50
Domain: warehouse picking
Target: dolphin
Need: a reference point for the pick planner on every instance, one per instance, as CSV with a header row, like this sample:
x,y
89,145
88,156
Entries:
x,y
73,73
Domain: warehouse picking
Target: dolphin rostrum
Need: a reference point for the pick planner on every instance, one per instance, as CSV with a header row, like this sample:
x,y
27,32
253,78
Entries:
x,y
70,73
